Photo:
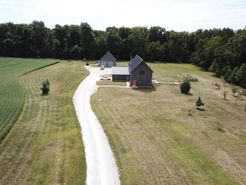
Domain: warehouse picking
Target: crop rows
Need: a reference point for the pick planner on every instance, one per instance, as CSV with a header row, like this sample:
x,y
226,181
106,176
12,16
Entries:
x,y
11,93
45,145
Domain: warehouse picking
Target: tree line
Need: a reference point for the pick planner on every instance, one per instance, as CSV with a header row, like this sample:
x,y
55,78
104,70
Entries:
x,y
222,51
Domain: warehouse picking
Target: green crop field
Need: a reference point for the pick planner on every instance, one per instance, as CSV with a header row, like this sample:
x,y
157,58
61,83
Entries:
x,y
45,146
11,93
159,137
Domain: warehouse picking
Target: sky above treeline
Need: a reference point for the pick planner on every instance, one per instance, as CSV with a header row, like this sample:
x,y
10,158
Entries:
x,y
178,15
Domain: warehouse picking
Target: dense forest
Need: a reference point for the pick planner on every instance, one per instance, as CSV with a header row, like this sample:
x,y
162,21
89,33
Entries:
x,y
222,51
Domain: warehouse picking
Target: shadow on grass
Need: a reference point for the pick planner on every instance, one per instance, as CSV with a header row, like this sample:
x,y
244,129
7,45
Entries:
x,y
44,94
201,109
146,89
188,94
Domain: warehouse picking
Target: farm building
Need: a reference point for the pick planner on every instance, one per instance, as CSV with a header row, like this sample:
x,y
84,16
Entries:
x,y
108,60
120,74
138,73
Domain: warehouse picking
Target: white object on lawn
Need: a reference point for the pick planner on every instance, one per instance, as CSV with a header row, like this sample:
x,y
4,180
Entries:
x,y
102,67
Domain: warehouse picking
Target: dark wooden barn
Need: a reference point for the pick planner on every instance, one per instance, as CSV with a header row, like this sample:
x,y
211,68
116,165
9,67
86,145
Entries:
x,y
140,73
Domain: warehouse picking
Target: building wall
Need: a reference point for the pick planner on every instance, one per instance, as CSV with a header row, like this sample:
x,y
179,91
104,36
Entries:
x,y
120,78
142,80
108,63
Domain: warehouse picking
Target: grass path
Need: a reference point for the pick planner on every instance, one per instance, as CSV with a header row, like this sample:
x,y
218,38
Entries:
x,y
156,142
44,146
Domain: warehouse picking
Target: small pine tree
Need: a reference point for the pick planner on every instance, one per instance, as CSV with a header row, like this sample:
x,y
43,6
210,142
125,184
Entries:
x,y
199,102
185,86
45,87
225,94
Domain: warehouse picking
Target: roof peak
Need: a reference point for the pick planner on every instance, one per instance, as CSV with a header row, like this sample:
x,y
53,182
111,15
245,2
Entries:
x,y
137,58
136,61
108,56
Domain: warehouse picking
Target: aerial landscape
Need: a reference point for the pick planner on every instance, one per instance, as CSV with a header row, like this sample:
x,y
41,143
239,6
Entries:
x,y
122,92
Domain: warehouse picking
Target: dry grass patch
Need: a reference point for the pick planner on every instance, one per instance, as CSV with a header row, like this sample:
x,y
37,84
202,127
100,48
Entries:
x,y
156,141
110,83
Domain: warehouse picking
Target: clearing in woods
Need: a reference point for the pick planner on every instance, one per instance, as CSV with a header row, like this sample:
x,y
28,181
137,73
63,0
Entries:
x,y
159,137
11,93
45,146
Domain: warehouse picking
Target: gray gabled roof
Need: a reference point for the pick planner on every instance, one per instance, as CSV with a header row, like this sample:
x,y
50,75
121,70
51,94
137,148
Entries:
x,y
135,62
108,57
120,71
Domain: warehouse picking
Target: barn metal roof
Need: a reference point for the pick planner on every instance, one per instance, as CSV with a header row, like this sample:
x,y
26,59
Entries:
x,y
108,57
136,61
120,71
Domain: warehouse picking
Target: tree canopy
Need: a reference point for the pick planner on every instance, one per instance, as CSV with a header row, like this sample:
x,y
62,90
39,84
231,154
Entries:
x,y
222,51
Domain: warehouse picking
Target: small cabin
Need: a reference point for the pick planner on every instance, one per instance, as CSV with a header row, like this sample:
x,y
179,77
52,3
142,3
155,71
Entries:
x,y
108,60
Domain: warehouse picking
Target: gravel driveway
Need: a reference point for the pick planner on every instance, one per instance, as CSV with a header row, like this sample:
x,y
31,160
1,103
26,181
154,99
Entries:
x,y
101,165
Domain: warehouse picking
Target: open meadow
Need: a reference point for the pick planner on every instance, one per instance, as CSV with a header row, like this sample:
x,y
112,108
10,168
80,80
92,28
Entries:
x,y
44,146
11,93
159,137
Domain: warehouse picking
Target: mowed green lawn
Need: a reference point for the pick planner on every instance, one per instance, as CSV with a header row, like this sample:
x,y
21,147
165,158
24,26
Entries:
x,y
156,141
11,93
45,145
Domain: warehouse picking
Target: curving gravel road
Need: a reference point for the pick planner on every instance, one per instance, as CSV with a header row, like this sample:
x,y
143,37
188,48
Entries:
x,y
101,165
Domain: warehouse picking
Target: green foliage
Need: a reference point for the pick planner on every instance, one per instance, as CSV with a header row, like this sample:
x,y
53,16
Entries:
x,y
241,75
191,78
199,102
45,87
221,51
229,75
185,86
216,69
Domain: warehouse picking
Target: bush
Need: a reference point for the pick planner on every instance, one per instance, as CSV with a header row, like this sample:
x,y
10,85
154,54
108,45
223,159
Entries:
x,y
45,87
229,76
191,78
185,86
241,75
